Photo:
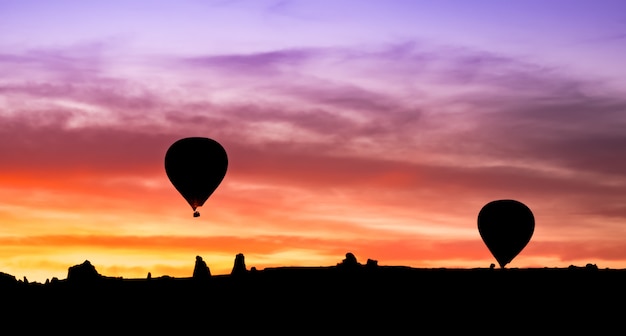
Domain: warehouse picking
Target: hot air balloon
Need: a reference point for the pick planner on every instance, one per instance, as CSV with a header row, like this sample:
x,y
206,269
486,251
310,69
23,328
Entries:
x,y
196,166
506,227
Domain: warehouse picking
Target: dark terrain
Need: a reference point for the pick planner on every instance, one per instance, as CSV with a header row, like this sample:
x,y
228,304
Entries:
x,y
349,297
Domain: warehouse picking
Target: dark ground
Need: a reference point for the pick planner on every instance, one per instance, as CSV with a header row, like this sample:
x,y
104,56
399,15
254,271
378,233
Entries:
x,y
328,300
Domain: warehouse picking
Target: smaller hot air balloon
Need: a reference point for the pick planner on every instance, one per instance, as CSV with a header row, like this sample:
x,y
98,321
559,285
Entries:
x,y
196,166
506,227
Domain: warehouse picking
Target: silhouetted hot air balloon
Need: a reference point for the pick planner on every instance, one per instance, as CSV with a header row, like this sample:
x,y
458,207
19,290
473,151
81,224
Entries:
x,y
506,226
196,166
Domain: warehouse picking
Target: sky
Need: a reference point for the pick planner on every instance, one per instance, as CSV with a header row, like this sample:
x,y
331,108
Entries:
x,y
379,128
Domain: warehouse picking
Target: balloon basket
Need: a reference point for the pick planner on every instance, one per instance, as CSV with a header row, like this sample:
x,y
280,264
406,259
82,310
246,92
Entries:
x,y
196,214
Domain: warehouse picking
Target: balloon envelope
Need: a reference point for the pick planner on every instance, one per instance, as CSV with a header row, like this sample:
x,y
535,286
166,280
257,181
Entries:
x,y
196,166
505,226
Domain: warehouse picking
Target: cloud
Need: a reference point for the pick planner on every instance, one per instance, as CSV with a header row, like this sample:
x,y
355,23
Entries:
x,y
413,250
342,114
81,62
410,130
332,132
263,63
607,250
27,146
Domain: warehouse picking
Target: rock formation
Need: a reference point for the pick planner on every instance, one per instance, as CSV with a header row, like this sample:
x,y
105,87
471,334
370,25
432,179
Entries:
x,y
371,263
240,265
350,262
7,279
84,272
201,271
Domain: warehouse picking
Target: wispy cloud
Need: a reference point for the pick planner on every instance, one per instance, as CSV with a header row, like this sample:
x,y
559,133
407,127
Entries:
x,y
419,133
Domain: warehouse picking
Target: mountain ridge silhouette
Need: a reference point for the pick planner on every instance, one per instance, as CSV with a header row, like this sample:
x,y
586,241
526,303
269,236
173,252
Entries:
x,y
347,297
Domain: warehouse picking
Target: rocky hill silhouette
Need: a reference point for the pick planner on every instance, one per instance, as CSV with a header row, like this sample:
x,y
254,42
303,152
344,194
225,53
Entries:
x,y
347,297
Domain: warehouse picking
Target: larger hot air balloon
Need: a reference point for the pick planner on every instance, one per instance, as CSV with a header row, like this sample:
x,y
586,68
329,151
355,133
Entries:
x,y
196,166
506,227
